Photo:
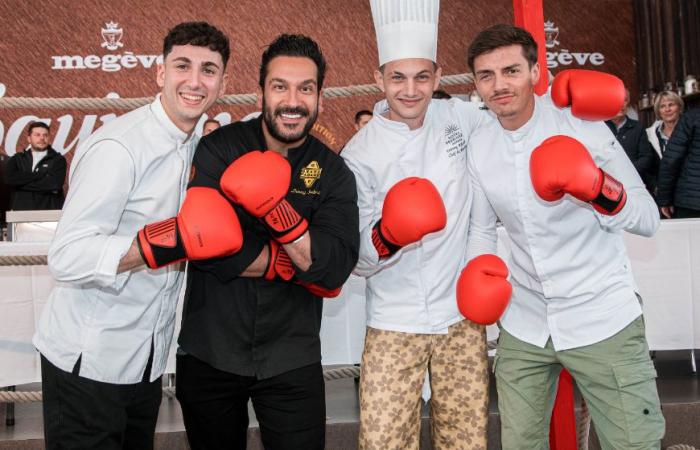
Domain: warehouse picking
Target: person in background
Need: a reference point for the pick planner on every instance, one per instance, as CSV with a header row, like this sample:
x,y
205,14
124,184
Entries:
x,y
668,107
209,126
631,135
441,95
361,118
36,175
678,192
4,192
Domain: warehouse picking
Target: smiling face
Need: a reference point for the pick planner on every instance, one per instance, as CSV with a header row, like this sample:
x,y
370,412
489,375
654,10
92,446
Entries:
x,y
669,110
291,101
191,79
408,85
506,82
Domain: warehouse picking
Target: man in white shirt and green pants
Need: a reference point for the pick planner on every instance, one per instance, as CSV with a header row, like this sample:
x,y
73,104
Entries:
x,y
565,191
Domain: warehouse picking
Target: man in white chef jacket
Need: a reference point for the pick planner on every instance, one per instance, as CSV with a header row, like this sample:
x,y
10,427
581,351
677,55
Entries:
x,y
413,323
565,191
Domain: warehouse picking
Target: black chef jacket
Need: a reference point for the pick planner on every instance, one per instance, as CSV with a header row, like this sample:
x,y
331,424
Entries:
x,y
255,327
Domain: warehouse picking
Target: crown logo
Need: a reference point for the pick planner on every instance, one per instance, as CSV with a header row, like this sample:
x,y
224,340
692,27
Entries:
x,y
112,36
551,33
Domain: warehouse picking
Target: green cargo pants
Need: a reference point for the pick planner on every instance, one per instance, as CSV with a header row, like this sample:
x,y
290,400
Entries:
x,y
615,376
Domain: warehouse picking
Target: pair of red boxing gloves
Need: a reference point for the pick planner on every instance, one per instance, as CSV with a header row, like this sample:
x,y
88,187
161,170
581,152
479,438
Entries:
x,y
207,225
414,208
560,165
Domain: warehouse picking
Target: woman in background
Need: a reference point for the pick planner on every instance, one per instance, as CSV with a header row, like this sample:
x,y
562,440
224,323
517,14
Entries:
x,y
668,107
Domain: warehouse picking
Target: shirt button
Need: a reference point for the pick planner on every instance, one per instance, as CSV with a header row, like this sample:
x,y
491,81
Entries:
x,y
646,411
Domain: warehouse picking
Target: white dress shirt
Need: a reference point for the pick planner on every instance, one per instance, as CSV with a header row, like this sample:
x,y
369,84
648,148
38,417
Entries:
x,y
131,172
571,276
37,156
414,290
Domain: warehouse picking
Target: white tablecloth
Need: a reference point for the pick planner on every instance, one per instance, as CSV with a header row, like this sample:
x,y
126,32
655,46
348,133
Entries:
x,y
666,267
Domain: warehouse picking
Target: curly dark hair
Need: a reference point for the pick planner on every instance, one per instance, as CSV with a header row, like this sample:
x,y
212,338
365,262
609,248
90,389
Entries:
x,y
200,34
294,45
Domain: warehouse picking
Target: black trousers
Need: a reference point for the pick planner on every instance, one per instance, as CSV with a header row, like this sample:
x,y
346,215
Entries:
x,y
80,413
290,408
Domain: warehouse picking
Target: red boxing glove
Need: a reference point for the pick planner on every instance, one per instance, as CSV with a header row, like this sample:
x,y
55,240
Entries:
x,y
592,95
483,290
562,165
279,264
206,227
412,208
279,267
259,182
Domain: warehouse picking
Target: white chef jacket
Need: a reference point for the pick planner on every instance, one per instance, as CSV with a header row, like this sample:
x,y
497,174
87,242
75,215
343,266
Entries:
x,y
571,276
131,172
414,290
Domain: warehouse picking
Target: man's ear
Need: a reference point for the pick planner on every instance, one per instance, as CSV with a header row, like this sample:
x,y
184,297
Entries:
x,y
438,75
535,71
379,79
259,101
320,101
222,89
160,75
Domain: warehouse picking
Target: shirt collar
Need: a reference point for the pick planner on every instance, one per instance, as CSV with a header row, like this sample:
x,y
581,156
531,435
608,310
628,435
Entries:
x,y
622,124
382,107
524,130
173,131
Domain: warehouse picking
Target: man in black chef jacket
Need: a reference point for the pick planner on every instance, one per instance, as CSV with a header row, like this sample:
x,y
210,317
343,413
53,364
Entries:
x,y
251,322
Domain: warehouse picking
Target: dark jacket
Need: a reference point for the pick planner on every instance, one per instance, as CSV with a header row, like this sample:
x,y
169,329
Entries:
x,y
251,326
41,188
679,172
633,138
4,189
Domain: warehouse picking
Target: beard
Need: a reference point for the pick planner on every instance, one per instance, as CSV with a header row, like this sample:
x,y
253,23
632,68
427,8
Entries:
x,y
280,133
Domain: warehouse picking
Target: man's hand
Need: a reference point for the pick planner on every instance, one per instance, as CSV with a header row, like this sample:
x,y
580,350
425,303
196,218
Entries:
x,y
412,208
592,95
206,227
259,182
562,165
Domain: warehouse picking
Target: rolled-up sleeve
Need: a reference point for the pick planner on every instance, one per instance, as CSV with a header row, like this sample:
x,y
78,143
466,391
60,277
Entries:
x,y
85,249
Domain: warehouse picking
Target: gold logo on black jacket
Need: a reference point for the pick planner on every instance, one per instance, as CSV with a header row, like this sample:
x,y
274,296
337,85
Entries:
x,y
310,174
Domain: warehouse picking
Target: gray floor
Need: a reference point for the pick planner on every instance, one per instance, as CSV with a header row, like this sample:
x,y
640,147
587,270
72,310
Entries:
x,y
678,386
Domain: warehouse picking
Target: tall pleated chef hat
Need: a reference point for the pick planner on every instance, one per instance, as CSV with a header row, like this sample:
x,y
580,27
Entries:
x,y
406,29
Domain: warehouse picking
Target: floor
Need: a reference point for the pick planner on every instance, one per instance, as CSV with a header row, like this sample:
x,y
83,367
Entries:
x,y
678,387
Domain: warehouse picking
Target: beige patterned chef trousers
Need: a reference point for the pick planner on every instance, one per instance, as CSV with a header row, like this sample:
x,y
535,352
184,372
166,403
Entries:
x,y
391,378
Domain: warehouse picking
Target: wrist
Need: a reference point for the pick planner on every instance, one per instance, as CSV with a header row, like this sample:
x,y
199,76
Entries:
x,y
611,197
384,247
285,224
160,243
